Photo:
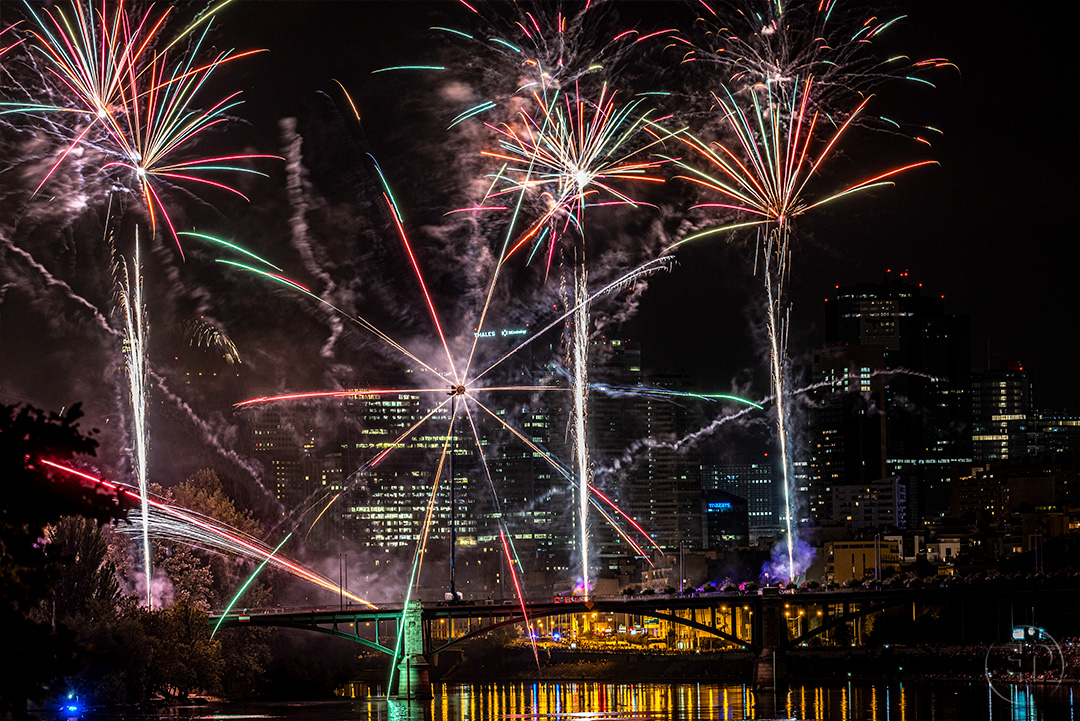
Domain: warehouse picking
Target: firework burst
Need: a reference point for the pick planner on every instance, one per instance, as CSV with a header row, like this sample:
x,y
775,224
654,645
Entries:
x,y
458,392
131,100
764,176
565,158
517,49
559,161
777,45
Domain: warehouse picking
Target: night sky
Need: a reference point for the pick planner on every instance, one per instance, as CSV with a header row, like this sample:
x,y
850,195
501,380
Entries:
x,y
990,228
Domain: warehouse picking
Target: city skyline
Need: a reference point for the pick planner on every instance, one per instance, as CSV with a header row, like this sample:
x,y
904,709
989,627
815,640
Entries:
x,y
712,276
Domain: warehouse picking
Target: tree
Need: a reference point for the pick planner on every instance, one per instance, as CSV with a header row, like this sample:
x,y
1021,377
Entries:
x,y
209,580
185,657
121,667
33,497
86,586
189,573
204,494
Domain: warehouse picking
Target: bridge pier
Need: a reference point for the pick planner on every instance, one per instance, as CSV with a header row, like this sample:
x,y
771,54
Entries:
x,y
770,632
413,680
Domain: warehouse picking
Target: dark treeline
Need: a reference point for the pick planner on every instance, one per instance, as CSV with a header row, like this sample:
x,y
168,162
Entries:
x,y
72,591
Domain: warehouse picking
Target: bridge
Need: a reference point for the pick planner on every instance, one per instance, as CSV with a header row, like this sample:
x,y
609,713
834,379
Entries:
x,y
767,623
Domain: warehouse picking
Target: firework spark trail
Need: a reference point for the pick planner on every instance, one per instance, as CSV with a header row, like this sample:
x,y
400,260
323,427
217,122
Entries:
x,y
521,599
569,476
777,324
776,45
172,523
423,286
248,582
667,394
614,524
624,514
138,372
205,334
346,394
168,522
214,240
6,48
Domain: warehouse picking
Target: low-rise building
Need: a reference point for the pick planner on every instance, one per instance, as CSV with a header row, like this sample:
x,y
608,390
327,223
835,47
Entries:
x,y
856,560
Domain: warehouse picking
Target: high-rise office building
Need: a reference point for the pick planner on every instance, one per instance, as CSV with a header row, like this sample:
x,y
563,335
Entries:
x,y
925,389
876,504
725,520
656,485
846,428
1056,432
1002,414
381,454
755,480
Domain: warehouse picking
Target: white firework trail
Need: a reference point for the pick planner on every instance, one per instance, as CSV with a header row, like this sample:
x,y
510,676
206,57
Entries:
x,y
580,352
138,373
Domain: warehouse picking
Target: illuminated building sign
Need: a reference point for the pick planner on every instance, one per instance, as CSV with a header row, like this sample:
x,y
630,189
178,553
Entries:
x,y
720,506
505,332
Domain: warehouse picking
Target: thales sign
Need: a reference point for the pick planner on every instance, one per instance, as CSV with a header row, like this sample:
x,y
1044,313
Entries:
x,y
505,332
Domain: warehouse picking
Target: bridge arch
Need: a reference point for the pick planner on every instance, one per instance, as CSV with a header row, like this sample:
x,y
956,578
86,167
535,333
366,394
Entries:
x,y
648,613
844,618
306,623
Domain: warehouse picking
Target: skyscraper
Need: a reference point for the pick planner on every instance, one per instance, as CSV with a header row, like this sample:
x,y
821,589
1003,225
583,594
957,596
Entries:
x,y
755,480
846,429
660,487
1002,414
925,396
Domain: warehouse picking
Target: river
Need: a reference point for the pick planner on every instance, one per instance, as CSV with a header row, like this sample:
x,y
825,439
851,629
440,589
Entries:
x,y
591,701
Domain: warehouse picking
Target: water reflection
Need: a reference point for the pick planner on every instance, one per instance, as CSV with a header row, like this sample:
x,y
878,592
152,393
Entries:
x,y
707,702
582,701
